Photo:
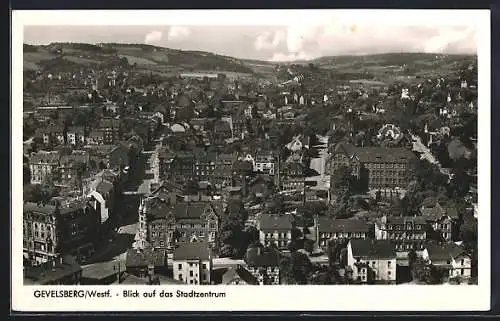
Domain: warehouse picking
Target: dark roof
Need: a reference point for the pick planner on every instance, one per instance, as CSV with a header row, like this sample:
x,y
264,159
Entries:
x,y
373,249
70,160
141,258
52,271
191,251
440,253
260,257
109,122
239,272
192,210
104,187
375,154
326,224
45,157
275,222
406,219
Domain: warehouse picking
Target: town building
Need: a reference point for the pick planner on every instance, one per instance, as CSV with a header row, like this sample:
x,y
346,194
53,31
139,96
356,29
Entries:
x,y
372,261
72,167
144,262
64,227
380,168
265,162
292,176
192,263
442,220
333,229
111,129
452,258
184,222
63,270
75,135
239,275
275,229
406,232
53,135
263,264
44,166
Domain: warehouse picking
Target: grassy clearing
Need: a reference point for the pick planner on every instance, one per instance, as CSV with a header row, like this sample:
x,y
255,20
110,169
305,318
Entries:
x,y
138,60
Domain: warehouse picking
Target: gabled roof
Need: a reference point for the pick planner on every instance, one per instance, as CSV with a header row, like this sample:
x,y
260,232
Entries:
x,y
142,258
380,249
259,257
326,224
447,252
51,157
241,273
192,251
275,222
375,154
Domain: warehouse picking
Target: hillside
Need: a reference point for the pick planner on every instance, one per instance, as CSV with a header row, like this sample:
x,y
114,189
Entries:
x,y
147,57
167,61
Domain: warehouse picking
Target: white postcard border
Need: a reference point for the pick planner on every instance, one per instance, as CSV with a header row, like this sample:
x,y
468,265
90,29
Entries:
x,y
269,298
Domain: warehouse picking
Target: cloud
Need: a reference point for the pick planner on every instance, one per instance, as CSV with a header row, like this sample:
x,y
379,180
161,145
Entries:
x,y
177,33
153,37
269,40
451,38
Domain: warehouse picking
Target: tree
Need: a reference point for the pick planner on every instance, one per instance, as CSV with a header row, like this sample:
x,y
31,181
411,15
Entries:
x,y
26,174
309,246
342,178
301,267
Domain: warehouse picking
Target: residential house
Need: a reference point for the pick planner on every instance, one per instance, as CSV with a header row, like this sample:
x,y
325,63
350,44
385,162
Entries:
x,y
223,170
298,143
450,257
95,137
111,129
44,166
178,167
180,223
192,263
333,229
146,262
221,132
72,167
263,264
239,275
442,220
406,232
380,168
63,270
205,166
265,162
292,176
275,229
63,227
260,186
53,135
75,135
239,127
372,261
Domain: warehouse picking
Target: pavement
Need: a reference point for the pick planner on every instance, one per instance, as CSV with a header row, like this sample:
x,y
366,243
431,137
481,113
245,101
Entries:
x,y
426,154
319,164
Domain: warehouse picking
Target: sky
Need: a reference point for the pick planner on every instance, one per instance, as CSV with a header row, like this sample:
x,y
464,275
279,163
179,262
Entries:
x,y
287,42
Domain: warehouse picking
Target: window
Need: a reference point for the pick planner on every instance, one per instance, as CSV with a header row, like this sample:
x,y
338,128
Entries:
x,y
388,264
388,272
462,262
190,281
373,263
190,264
180,266
204,266
190,273
204,277
448,262
180,277
192,225
461,271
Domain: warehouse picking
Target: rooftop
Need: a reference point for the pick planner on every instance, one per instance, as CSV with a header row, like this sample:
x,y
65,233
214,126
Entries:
x,y
192,251
373,249
51,271
275,222
326,224
140,258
